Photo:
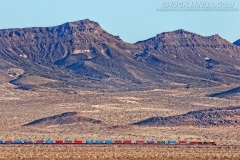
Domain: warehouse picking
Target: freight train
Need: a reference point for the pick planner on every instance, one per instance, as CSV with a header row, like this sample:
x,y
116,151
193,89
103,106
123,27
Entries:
x,y
109,141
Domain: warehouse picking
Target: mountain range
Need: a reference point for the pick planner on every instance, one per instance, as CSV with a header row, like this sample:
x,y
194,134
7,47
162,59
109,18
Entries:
x,y
81,54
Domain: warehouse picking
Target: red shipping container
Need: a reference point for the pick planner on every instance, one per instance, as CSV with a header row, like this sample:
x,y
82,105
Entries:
x,y
127,142
210,143
117,142
207,143
77,141
193,143
58,141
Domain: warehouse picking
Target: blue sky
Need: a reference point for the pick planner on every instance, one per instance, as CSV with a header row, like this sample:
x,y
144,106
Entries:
x,y
132,20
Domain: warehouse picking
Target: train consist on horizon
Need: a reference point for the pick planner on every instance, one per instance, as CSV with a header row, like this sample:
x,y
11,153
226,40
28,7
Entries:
x,y
109,141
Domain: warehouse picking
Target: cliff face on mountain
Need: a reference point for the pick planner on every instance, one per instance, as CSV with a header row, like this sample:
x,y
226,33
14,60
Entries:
x,y
82,54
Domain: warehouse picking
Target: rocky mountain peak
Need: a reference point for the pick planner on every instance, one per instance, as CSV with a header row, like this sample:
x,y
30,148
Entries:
x,y
85,25
182,37
179,32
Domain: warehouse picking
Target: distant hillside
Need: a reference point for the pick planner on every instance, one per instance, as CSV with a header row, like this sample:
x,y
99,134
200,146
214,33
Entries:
x,y
226,94
81,54
208,117
64,118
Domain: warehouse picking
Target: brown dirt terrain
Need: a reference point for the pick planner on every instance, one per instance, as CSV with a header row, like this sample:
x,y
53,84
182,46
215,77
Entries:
x,y
122,152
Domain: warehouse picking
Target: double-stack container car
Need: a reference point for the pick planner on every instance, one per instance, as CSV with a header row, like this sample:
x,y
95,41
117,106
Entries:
x,y
118,142
140,141
58,141
108,141
127,142
17,141
49,141
78,141
8,141
39,141
182,142
89,141
161,142
172,142
99,142
28,141
68,141
150,141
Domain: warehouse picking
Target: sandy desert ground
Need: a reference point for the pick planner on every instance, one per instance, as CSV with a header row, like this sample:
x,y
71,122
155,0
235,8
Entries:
x,y
122,152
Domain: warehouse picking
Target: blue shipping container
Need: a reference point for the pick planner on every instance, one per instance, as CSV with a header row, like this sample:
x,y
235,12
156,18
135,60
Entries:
x,y
1,141
172,142
99,142
8,142
17,141
109,141
89,141
27,141
49,141
150,140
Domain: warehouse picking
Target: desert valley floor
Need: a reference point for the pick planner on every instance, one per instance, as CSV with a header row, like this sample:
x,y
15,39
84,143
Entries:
x,y
115,110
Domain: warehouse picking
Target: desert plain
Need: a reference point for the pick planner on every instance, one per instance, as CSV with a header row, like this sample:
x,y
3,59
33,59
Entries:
x,y
117,111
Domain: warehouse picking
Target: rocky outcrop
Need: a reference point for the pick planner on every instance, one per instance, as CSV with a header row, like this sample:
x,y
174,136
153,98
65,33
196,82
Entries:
x,y
64,118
